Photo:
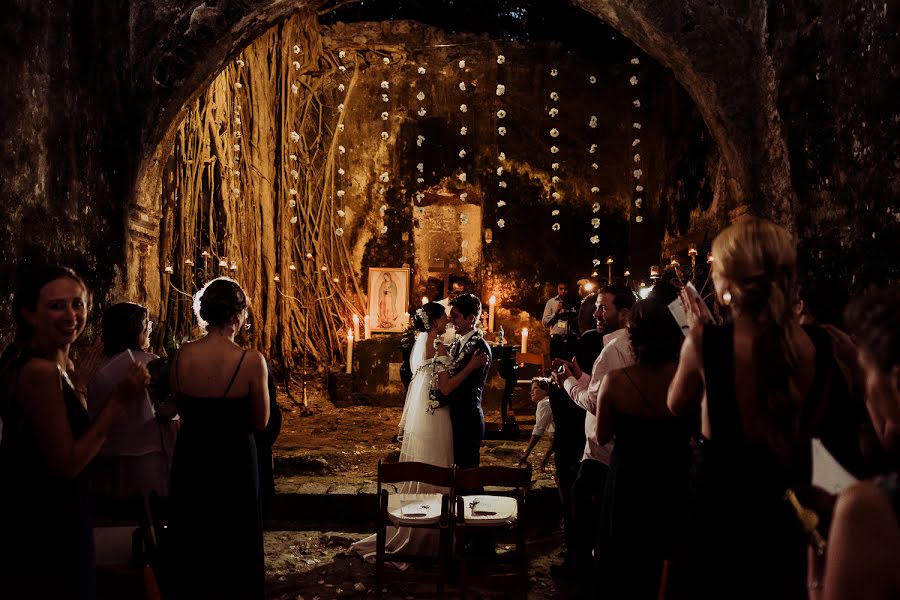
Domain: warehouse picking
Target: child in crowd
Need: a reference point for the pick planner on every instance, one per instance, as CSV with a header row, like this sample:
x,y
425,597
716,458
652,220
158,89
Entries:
x,y
543,419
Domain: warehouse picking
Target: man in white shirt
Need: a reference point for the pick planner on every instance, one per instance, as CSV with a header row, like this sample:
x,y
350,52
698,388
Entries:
x,y
558,318
613,309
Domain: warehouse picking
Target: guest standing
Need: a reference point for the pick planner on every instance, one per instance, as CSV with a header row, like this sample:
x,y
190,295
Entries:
x,y
223,398
46,531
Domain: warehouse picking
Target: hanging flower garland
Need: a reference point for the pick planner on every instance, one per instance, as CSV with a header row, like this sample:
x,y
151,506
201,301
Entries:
x,y
637,173
555,195
236,183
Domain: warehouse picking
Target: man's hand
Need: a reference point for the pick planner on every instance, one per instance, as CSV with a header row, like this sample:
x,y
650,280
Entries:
x,y
562,370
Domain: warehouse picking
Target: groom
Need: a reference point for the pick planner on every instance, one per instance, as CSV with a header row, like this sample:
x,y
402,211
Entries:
x,y
466,415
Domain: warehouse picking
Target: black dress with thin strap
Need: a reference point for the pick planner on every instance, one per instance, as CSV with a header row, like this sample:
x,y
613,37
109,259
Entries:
x,y
216,525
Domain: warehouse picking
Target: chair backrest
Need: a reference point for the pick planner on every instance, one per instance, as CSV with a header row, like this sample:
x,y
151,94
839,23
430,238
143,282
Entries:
x,y
414,471
531,358
494,476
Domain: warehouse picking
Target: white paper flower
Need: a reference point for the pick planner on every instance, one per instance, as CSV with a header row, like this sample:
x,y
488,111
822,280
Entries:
x,y
421,70
595,166
294,89
501,89
385,135
463,197
293,220
593,122
237,121
235,192
501,203
295,174
295,137
592,79
502,156
237,147
465,243
639,188
635,61
384,98
385,177
501,223
381,190
593,149
502,184
639,202
340,108
421,167
553,72
420,96
463,219
462,86
296,65
555,212
501,114
341,54
554,133
339,232
238,84
292,192
421,112
296,49
340,126
501,130
638,219
633,80
637,103
341,213
292,203
501,59
383,227
553,112
386,60
554,96
499,171
462,64
463,108
556,195
635,142
463,131
555,166
637,158
461,177
385,85
420,180
595,222
554,179
239,62
382,209
595,239
595,207
419,197
462,259
420,140
554,149
341,149
341,171
555,227
342,68
595,190
636,125
462,153
637,173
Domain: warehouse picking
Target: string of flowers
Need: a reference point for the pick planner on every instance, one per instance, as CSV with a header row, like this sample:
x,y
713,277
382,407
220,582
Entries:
x,y
637,173
501,114
594,238
463,131
420,141
555,195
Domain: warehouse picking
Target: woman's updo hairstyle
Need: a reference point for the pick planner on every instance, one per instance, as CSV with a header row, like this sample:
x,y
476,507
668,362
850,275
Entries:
x,y
219,302
655,335
122,325
425,316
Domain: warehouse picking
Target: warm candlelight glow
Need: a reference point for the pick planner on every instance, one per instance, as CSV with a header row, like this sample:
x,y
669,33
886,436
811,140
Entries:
x,y
424,300
349,351
189,262
368,327
692,249
233,266
277,278
491,302
627,273
356,325
654,272
589,286
169,269
223,263
673,262
292,267
309,255
524,340
609,260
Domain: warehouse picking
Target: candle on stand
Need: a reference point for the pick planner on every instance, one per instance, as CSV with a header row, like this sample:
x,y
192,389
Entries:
x,y
349,351
524,340
491,302
355,326
368,327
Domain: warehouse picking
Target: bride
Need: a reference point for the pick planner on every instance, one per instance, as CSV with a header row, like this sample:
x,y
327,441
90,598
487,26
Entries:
x,y
426,431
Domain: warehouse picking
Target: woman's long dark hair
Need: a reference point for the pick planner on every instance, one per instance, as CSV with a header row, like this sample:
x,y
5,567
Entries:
x,y
122,325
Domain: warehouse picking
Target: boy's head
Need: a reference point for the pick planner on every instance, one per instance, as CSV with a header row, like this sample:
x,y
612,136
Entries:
x,y
540,389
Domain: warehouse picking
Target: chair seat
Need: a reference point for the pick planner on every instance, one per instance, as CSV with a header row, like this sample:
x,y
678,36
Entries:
x,y
490,511
409,509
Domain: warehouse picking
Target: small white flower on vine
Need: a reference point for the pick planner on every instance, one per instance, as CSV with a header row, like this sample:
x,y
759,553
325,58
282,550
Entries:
x,y
421,112
635,61
501,203
637,158
501,89
420,180
463,219
385,135
341,213
340,126
296,65
463,131
596,262
595,207
595,239
593,149
633,80
339,232
636,125
462,259
462,153
296,49
341,54
554,149
419,197
421,167
294,89
463,108
637,103
553,112
639,188
554,133
463,197
554,96
383,229
499,171
461,177
593,122
236,173
556,195
462,86
420,140
555,166
238,84
465,243
386,60
292,192
295,137
462,64
382,209
502,156
421,70
501,130
553,72
384,116
555,212
235,192
420,96
384,98
595,222
293,220
237,121
501,59
595,166
292,203
501,114
638,219
239,62
555,227
635,142
502,184
385,177
639,202
340,193
342,68
341,171
501,223
385,85
554,179
295,174
592,79
237,147
595,190
341,149
637,173
340,108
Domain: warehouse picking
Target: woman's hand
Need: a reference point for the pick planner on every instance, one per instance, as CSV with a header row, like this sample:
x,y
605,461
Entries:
x,y
695,312
134,383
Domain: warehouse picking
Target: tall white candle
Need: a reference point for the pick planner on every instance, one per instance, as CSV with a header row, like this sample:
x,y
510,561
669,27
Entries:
x,y
491,302
349,351
368,327
524,340
356,326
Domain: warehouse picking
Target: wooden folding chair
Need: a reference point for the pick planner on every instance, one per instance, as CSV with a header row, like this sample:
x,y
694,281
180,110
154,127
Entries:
x,y
410,506
499,507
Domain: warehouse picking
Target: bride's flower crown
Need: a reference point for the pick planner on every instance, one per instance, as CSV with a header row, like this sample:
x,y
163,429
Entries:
x,y
426,322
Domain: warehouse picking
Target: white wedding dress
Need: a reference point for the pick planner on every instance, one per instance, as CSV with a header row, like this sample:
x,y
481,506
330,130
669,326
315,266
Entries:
x,y
427,437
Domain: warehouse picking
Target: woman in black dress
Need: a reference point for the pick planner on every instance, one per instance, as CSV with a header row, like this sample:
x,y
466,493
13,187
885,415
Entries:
x,y
223,398
46,535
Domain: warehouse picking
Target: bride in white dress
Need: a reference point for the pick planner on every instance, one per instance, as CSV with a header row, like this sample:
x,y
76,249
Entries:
x,y
426,431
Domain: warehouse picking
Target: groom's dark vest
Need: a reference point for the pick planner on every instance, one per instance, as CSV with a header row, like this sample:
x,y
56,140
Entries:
x,y
465,409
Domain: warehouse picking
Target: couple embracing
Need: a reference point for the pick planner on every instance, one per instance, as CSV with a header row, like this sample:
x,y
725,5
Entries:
x,y
442,422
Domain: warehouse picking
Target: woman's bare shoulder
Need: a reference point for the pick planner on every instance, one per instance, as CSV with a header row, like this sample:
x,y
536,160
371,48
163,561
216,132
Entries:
x,y
39,368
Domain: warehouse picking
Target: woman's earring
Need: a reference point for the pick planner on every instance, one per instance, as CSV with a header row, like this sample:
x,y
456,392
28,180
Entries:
x,y
726,298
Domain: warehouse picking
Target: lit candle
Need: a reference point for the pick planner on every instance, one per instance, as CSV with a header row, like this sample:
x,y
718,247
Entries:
x,y
368,327
349,351
491,302
406,318
524,340
424,300
356,325
654,272
169,269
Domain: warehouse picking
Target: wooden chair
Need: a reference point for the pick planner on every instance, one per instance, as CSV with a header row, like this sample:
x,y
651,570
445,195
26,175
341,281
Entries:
x,y
418,511
530,358
500,507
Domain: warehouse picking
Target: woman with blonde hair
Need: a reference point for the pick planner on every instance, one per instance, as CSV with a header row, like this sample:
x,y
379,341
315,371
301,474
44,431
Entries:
x,y
756,383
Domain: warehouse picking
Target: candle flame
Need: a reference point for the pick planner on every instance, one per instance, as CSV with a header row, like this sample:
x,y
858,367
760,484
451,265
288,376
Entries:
x,y
355,318
525,331
492,300
424,300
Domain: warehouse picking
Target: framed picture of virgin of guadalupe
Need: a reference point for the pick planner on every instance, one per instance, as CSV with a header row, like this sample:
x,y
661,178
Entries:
x,y
388,299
